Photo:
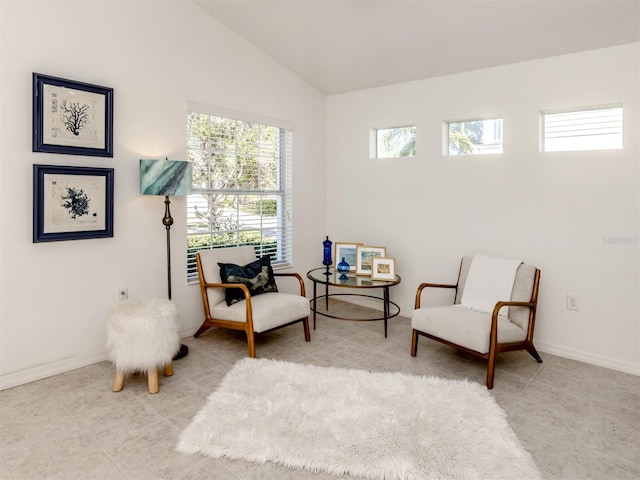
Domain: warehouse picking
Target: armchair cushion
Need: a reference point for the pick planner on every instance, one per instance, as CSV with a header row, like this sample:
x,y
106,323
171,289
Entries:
x,y
269,310
257,276
465,327
522,290
489,281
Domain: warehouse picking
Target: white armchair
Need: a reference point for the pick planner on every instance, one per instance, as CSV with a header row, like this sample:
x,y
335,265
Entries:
x,y
506,325
251,313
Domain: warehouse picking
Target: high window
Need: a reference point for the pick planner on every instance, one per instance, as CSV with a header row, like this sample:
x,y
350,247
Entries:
x,y
594,128
393,142
241,185
472,137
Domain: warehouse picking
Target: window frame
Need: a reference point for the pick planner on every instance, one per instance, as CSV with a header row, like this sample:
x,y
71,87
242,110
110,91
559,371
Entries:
x,y
283,256
373,141
446,150
577,110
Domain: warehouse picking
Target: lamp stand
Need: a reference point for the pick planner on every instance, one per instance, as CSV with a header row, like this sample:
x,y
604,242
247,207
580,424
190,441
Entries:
x,y
167,221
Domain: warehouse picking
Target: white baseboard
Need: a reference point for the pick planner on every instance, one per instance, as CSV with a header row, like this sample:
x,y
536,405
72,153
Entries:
x,y
48,370
593,359
188,332
64,365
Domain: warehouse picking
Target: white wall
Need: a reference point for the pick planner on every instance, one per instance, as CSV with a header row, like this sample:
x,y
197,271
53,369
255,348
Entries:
x,y
157,56
558,211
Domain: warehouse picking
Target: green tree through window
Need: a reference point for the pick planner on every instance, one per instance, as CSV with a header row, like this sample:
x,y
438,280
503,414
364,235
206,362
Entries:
x,y
239,182
395,142
475,137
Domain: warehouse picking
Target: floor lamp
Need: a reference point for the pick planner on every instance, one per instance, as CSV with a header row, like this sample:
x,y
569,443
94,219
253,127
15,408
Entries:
x,y
168,178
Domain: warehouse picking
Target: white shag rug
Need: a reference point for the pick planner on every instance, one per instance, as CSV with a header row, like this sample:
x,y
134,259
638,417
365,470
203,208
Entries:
x,y
372,425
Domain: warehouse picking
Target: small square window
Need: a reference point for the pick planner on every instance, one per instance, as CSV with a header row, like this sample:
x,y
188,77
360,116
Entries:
x,y
578,130
474,137
394,142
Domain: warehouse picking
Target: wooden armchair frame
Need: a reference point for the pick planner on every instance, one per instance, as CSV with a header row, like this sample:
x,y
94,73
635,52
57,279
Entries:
x,y
247,325
494,346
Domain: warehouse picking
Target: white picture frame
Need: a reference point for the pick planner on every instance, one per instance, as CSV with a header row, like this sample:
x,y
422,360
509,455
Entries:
x,y
364,258
347,250
383,268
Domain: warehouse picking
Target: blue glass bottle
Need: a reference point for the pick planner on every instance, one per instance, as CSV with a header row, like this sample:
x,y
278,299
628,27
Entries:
x,y
343,266
327,252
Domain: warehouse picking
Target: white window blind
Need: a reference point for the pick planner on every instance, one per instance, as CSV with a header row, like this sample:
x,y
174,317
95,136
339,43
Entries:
x,y
585,129
241,187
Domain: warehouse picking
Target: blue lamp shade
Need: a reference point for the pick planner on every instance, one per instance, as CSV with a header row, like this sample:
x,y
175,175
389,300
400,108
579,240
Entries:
x,y
166,177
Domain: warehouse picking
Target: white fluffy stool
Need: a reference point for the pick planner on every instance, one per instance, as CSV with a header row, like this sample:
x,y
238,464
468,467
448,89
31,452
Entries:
x,y
142,335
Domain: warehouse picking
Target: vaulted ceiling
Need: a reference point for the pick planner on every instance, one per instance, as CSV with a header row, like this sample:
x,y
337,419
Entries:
x,y
345,45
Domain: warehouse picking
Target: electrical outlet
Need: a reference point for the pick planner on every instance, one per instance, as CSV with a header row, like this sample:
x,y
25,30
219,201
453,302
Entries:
x,y
573,302
123,294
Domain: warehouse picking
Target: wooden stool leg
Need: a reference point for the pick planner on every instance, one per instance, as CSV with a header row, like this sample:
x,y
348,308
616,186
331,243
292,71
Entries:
x,y
152,373
118,381
168,370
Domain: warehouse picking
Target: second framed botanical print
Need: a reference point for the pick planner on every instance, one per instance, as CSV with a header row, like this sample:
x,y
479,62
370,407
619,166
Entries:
x,y
71,203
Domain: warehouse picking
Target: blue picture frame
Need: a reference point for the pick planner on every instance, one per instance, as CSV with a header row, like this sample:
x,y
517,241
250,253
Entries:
x,y
71,117
72,203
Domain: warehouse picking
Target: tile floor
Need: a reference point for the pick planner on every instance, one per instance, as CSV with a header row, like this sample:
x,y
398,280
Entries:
x,y
579,421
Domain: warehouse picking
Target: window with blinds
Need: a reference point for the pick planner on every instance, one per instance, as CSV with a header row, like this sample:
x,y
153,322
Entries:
x,y
241,186
596,128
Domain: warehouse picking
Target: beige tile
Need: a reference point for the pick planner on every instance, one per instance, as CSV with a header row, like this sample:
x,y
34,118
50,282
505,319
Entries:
x,y
47,442
174,397
608,436
598,466
577,420
149,453
115,412
207,379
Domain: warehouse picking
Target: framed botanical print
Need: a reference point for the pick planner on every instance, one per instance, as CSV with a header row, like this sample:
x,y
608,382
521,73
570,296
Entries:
x,y
72,117
72,203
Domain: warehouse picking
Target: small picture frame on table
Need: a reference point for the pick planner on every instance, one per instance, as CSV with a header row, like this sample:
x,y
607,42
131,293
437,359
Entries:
x,y
383,268
364,258
72,203
72,117
347,251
